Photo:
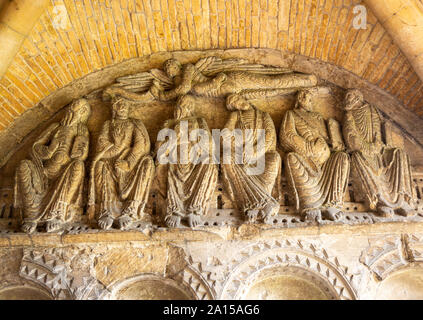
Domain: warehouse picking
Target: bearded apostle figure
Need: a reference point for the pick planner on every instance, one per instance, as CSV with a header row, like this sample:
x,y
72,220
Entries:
x,y
249,188
122,170
189,177
48,184
317,168
382,173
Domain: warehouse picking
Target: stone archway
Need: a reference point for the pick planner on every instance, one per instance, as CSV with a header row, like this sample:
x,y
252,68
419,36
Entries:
x,y
289,283
23,292
300,265
403,284
150,287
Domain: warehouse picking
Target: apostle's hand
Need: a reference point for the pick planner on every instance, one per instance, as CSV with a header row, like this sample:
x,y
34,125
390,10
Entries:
x,y
321,148
42,151
156,89
107,145
320,145
122,165
377,147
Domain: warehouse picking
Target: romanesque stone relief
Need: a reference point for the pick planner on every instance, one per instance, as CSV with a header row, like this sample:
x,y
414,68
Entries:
x,y
122,170
189,183
55,270
52,180
236,275
289,155
384,172
211,77
252,192
317,168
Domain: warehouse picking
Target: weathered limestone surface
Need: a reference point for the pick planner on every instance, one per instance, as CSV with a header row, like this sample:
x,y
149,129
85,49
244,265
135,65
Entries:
x,y
326,262
50,106
404,22
321,237
74,38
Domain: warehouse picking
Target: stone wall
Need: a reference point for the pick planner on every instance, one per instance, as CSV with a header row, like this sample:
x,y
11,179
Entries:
x,y
74,38
248,262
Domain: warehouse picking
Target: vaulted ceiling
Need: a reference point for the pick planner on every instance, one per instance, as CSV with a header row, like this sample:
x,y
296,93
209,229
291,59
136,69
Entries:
x,y
73,38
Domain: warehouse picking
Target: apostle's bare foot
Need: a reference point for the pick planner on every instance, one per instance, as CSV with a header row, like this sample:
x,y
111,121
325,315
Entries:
x,y
124,221
105,221
333,214
314,215
54,225
173,221
406,211
385,212
252,215
194,220
29,227
146,218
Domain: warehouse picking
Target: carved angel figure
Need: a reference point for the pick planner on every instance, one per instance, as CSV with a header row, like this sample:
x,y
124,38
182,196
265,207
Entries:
x,y
317,168
251,192
211,77
122,170
383,173
53,179
191,179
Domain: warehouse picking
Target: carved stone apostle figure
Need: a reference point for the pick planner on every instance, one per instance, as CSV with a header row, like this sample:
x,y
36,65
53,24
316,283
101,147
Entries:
x,y
383,173
122,170
191,177
316,167
53,179
251,190
211,77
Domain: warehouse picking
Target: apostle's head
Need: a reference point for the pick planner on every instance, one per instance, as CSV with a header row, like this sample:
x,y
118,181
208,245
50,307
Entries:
x,y
120,107
353,99
78,112
172,67
236,102
305,100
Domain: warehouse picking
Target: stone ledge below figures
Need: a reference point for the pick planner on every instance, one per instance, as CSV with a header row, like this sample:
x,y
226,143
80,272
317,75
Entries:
x,y
203,234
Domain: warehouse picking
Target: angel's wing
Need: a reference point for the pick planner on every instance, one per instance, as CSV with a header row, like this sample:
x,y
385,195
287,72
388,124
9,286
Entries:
x,y
142,81
201,66
213,65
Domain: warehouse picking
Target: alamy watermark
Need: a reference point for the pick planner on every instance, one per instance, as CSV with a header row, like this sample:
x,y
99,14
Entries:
x,y
360,17
243,147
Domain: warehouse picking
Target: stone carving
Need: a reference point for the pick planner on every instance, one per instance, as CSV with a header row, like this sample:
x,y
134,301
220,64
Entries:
x,y
211,77
48,268
122,170
317,168
256,257
190,183
383,172
388,254
191,277
49,187
53,179
250,191
384,255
